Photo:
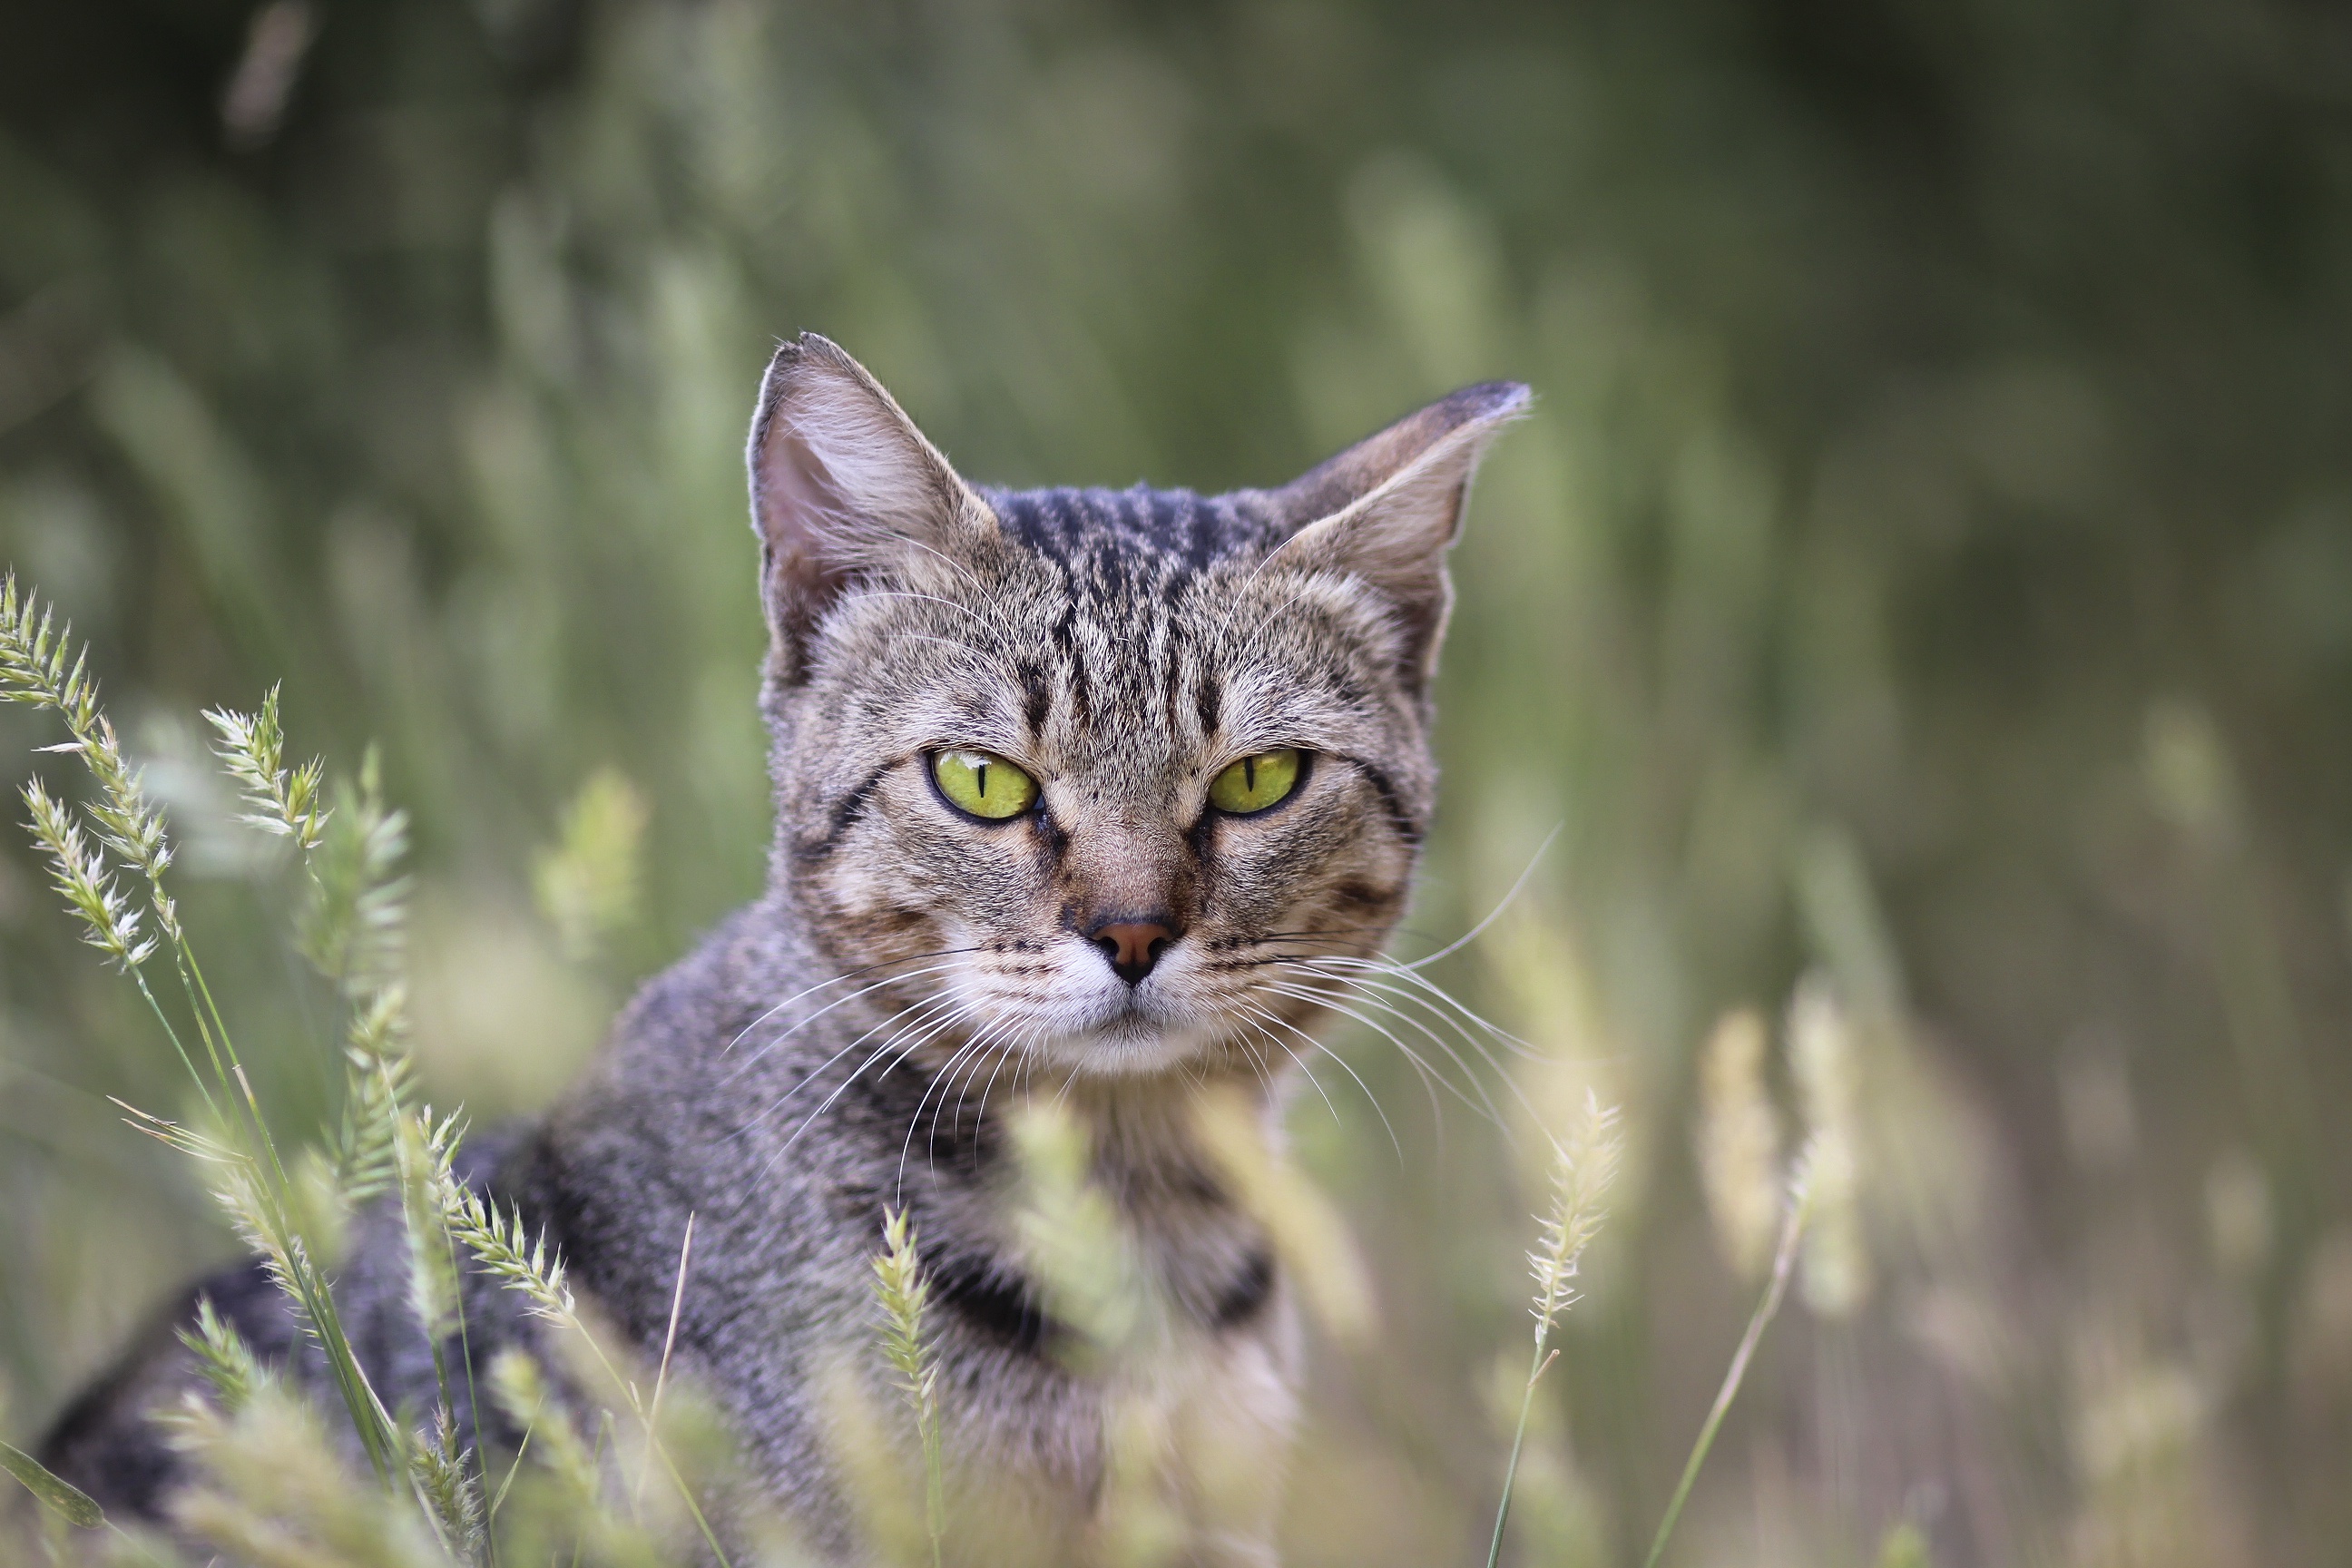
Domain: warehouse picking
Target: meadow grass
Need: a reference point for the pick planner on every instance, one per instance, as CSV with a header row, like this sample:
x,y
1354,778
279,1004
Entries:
x,y
272,1485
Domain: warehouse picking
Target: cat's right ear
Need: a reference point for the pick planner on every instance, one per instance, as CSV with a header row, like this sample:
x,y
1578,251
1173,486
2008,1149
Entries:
x,y
843,485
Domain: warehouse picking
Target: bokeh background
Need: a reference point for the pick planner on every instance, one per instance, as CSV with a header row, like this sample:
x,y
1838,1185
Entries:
x,y
1928,568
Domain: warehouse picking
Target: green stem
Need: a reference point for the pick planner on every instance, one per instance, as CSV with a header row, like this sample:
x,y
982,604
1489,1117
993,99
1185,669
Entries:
x,y
472,1399
369,1417
1783,1262
1518,1441
653,1438
936,1494
173,1034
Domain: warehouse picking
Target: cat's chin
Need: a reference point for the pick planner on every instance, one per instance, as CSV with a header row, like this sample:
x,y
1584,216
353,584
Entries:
x,y
1130,1046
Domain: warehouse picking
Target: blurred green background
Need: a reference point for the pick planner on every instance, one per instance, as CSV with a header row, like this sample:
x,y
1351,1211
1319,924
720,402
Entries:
x,y
1930,563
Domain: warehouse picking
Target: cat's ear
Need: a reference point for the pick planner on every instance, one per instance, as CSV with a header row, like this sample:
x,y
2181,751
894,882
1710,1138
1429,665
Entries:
x,y
842,483
1385,510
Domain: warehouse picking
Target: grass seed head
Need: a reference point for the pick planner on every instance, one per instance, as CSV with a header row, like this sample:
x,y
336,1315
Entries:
x,y
1738,1144
1583,1165
226,1360
281,801
80,873
1822,1055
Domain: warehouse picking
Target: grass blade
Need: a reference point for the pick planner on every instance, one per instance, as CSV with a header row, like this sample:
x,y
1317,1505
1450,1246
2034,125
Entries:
x,y
63,1499
1783,1261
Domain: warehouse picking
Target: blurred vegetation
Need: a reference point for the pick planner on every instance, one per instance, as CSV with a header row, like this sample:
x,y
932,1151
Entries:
x,y
1928,568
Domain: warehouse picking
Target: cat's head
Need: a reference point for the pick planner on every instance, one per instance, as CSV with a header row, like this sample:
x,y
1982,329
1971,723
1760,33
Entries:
x,y
1110,780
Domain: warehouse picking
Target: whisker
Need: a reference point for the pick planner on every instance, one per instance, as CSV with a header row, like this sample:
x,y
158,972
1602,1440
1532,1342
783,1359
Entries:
x,y
1379,992
767,1046
1256,1059
1312,1043
1027,1040
1011,1028
809,1077
1484,1104
1466,937
1359,989
1258,1011
985,1038
835,979
1388,997
947,1019
938,999
914,1121
1430,988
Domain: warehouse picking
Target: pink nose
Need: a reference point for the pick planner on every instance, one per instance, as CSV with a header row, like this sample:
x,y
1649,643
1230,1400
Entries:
x,y
1131,946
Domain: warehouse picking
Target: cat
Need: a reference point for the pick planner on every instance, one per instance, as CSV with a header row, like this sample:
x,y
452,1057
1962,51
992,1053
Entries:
x,y
1066,783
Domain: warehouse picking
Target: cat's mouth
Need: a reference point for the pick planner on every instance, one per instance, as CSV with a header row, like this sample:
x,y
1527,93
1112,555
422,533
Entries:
x,y
1133,1042
1068,1009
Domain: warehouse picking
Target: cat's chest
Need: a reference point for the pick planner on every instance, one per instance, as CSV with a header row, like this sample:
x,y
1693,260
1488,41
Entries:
x,y
1146,1250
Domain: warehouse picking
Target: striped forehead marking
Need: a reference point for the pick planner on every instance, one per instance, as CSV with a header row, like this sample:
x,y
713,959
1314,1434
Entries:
x,y
1119,540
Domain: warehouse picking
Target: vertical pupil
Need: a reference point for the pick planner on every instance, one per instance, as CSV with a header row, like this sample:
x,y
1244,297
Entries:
x,y
1249,776
979,778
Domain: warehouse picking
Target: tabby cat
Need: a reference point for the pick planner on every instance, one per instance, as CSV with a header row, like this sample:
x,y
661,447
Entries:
x,y
1066,783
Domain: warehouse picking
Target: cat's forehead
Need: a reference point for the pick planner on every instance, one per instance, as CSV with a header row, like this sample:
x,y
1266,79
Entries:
x,y
1117,637
1123,542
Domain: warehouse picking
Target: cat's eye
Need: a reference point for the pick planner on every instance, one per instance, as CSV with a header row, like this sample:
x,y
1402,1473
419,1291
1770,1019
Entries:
x,y
1255,783
983,784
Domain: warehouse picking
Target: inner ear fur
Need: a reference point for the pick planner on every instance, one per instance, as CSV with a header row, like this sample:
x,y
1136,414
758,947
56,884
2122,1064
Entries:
x,y
1385,510
842,484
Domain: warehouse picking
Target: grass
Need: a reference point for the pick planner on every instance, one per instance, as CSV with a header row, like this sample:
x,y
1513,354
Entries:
x,y
290,1211
270,1487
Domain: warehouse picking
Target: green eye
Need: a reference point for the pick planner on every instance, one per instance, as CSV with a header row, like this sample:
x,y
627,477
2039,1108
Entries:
x,y
1255,783
983,783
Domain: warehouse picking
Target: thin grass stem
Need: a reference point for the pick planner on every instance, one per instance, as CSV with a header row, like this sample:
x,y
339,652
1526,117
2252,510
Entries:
x,y
1783,1261
1518,1441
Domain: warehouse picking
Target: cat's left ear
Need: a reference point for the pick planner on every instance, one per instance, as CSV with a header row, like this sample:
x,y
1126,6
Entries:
x,y
1385,510
842,485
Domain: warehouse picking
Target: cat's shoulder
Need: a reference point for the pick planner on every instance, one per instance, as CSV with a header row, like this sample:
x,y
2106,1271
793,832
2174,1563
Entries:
x,y
706,999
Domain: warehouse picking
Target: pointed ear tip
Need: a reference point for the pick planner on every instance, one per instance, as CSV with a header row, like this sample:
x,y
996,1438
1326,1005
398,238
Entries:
x,y
792,350
810,351
1493,400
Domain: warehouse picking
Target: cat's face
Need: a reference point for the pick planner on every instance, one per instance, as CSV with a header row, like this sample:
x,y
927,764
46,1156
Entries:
x,y
1116,782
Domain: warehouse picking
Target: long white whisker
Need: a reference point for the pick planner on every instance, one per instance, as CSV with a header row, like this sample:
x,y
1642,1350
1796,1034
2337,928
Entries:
x,y
1420,1070
1025,1041
885,982
1257,1011
1337,1002
944,1002
1012,1027
947,1020
1363,991
1468,937
980,1040
1390,998
835,979
1312,1043
939,1080
810,1077
1422,982
1256,1059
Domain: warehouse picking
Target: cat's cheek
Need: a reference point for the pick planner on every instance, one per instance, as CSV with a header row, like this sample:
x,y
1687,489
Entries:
x,y
1339,867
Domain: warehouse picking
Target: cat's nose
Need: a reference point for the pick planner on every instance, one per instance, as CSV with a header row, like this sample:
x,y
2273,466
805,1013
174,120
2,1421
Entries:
x,y
1132,946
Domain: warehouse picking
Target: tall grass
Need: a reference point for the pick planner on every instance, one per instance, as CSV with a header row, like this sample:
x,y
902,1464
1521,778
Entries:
x,y
430,1496
270,1487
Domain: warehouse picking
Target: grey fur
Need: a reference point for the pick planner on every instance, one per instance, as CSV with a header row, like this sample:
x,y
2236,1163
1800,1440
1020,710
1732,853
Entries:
x,y
841,1045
